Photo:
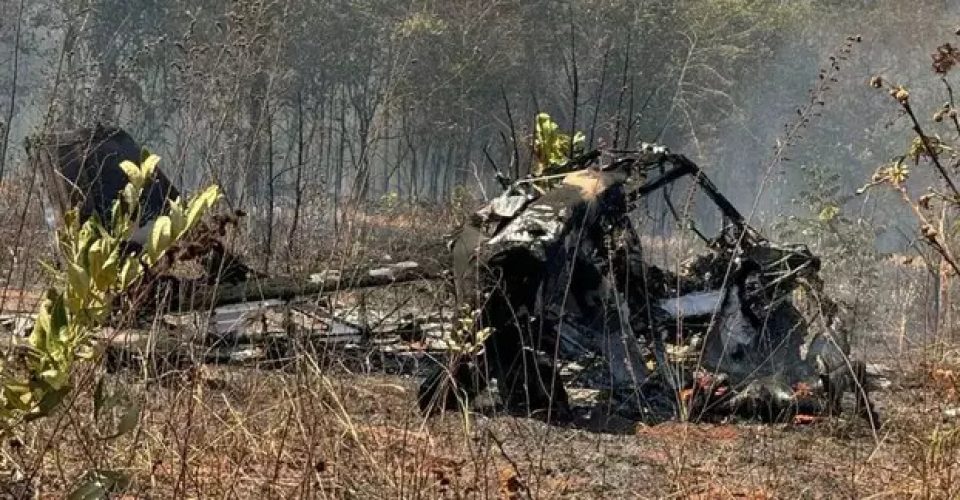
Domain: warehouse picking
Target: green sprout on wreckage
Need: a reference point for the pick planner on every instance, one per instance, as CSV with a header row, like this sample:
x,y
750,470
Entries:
x,y
96,271
466,338
552,149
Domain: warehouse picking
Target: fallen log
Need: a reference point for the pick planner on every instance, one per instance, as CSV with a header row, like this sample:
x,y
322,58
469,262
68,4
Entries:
x,y
287,288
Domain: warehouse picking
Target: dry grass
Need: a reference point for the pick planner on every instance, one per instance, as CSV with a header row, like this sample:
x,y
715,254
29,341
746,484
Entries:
x,y
316,429
319,433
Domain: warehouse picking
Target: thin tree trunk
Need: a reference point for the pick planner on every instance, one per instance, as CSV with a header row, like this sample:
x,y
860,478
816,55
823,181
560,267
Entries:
x,y
448,179
271,199
623,90
575,82
629,133
298,182
340,161
13,93
513,135
599,99
328,123
414,166
385,179
435,178
399,152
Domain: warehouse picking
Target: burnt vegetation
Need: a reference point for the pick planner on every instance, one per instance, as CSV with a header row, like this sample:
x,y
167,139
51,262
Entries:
x,y
697,248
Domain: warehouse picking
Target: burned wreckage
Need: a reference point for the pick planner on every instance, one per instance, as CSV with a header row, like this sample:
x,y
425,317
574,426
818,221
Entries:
x,y
554,275
550,276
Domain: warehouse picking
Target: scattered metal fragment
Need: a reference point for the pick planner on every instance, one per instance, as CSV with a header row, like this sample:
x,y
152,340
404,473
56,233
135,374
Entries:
x,y
17,324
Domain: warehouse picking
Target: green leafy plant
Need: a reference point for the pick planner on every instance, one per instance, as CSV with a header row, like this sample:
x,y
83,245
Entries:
x,y
552,148
98,484
466,338
96,272
826,219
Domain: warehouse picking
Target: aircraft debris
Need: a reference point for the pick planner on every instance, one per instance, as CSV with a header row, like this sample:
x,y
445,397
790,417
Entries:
x,y
548,279
560,275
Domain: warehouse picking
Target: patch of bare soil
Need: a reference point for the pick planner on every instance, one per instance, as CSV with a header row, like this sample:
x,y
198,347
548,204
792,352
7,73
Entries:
x,y
14,300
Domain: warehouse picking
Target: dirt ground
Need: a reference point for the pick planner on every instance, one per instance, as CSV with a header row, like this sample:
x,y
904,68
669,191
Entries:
x,y
320,432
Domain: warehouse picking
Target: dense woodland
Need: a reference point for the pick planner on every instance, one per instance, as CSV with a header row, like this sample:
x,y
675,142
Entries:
x,y
288,103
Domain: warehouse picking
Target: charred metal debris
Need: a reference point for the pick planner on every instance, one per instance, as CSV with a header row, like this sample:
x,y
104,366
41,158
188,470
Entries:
x,y
547,276
558,276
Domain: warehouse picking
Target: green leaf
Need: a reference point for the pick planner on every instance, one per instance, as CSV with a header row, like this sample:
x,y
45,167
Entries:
x,y
78,278
41,329
58,314
51,319
99,484
148,166
97,256
17,395
178,218
551,147
129,420
89,490
160,237
51,399
81,301
131,196
197,206
129,272
133,173
108,274
828,213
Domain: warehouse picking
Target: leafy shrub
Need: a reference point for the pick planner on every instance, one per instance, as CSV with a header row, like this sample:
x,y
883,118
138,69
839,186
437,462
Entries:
x,y
97,269
553,148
